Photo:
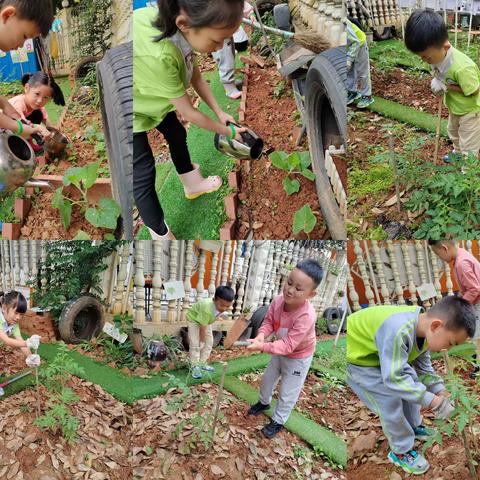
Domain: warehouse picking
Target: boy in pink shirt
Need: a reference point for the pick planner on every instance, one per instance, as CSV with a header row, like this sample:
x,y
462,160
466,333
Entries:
x,y
291,318
467,272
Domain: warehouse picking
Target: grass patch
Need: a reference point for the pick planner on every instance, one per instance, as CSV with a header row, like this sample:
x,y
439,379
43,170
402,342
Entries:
x,y
202,217
54,111
320,438
377,179
422,120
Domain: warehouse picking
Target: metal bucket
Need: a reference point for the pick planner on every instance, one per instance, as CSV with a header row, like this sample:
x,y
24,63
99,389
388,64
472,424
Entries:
x,y
250,149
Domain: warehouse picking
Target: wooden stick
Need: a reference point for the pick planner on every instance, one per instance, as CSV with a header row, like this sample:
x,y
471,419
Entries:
x,y
439,124
466,445
265,36
395,170
219,399
38,393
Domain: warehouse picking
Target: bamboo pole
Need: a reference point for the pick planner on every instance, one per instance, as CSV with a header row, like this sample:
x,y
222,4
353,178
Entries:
x,y
439,124
393,163
219,399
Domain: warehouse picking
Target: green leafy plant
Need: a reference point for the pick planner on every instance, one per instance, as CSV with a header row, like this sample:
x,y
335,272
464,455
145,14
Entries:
x,y
321,325
55,378
279,89
450,196
103,215
7,206
463,420
69,270
294,163
304,220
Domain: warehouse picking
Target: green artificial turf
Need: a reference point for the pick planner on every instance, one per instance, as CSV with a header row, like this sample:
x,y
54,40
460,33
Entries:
x,y
202,217
54,111
342,376
320,438
422,120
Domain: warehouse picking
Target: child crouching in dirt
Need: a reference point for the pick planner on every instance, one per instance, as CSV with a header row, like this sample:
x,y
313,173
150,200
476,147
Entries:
x,y
467,273
455,76
200,318
389,368
12,305
164,66
292,318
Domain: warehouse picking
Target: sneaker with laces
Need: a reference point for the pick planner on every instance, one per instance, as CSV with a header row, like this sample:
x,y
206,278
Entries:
x,y
271,429
411,462
352,97
424,433
207,368
258,408
196,372
365,101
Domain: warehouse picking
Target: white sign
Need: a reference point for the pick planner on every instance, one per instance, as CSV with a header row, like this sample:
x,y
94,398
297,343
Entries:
x,y
426,291
174,290
114,332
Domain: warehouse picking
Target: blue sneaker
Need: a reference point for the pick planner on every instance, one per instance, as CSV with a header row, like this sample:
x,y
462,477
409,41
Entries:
x,y
424,433
207,368
365,101
412,462
196,372
352,97
452,157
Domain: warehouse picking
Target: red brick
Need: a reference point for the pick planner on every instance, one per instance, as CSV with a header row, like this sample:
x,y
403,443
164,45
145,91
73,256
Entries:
x,y
11,231
230,202
22,207
241,116
29,191
258,60
233,179
227,231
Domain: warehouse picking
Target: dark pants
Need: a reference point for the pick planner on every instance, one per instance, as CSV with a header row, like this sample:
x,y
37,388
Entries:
x,y
144,169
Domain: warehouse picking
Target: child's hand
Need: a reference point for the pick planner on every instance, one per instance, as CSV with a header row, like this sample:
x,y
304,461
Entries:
x,y
437,86
443,409
28,131
44,131
255,345
225,118
444,393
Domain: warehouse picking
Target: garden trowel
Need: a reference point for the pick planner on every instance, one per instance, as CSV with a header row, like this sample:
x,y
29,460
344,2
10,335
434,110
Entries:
x,y
236,331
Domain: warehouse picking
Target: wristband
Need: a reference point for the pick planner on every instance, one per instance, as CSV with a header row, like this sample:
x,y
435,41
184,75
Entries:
x,y
232,129
20,127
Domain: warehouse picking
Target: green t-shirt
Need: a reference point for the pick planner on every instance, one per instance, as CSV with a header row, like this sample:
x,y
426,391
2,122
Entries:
x,y
466,74
161,70
203,312
10,330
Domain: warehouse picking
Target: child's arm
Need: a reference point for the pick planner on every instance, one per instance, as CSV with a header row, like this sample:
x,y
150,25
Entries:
x,y
427,374
397,374
7,120
470,283
467,82
12,342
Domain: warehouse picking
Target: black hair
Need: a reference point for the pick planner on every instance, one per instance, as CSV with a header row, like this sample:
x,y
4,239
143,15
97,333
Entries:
x,y
200,13
14,299
313,269
434,243
41,78
39,11
225,293
457,314
425,29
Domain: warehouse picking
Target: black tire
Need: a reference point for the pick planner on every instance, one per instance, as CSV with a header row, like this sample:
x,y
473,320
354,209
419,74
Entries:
x,y
84,66
217,338
81,319
333,317
326,117
382,33
257,319
115,80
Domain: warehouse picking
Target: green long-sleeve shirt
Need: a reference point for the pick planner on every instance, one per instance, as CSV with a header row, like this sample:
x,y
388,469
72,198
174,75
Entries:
x,y
203,312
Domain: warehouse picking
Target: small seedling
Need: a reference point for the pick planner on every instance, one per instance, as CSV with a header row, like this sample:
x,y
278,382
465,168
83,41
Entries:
x,y
103,215
304,220
294,163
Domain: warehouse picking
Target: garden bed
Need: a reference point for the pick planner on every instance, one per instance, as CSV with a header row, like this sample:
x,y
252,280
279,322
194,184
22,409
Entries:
x,y
446,461
240,450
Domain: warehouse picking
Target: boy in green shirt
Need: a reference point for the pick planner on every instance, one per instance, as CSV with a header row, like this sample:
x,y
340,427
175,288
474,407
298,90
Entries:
x,y
389,368
200,318
455,76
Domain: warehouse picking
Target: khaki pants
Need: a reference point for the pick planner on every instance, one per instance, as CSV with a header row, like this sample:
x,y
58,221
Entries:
x,y
200,339
464,132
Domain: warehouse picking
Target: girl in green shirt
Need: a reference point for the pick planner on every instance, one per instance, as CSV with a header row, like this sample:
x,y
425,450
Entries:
x,y
165,39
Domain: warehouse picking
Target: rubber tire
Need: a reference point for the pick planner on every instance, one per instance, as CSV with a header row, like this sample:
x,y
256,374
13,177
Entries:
x,y
217,338
385,35
326,117
257,319
80,70
86,304
115,80
333,317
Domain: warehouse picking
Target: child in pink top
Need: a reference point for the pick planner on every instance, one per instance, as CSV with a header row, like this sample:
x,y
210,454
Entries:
x,y
291,318
467,272
39,89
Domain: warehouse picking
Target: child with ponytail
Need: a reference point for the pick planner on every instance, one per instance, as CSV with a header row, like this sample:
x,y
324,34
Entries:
x,y
164,66
12,305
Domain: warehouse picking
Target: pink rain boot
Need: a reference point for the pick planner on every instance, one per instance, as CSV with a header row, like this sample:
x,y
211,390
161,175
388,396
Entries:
x,y
155,236
195,185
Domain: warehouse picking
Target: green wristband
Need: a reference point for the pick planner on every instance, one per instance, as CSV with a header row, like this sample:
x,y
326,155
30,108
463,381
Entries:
x,y
20,127
232,129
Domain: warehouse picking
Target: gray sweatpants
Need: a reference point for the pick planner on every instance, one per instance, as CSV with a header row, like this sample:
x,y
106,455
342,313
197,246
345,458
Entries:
x,y
225,59
293,372
398,417
358,77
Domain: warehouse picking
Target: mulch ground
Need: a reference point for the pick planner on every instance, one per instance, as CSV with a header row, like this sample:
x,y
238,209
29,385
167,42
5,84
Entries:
x,y
402,87
447,461
28,453
239,452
